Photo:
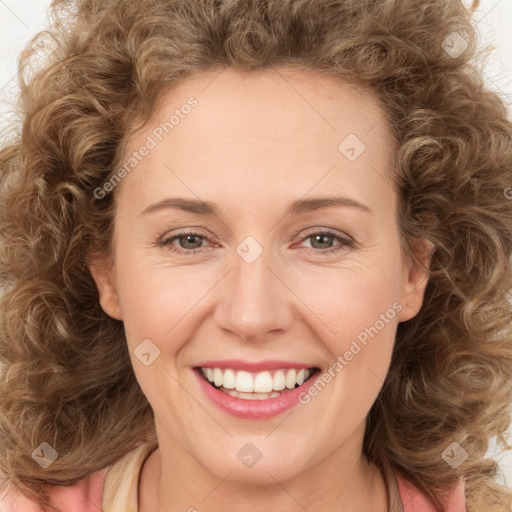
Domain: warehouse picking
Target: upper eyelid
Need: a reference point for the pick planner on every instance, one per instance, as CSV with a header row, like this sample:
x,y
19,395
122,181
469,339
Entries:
x,y
309,232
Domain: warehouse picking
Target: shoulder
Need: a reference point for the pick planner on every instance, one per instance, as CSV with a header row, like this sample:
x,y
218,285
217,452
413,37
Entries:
x,y
92,492
414,500
83,496
12,500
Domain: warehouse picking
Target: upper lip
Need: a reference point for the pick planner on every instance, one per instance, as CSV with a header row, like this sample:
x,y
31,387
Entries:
x,y
253,366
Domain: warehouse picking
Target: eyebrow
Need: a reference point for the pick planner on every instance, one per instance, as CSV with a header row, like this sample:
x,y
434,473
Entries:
x,y
207,208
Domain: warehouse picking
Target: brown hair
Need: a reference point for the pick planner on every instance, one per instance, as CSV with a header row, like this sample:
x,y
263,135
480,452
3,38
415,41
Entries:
x,y
66,375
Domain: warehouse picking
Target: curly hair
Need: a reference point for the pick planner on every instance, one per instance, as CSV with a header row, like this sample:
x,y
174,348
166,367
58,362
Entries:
x,y
66,374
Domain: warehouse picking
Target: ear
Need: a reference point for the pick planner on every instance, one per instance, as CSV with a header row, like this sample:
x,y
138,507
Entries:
x,y
415,278
100,270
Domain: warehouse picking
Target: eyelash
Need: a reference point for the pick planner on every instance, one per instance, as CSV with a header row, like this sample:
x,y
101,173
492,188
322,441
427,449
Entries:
x,y
345,244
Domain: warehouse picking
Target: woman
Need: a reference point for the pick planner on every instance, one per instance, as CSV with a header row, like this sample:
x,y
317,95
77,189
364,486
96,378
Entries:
x,y
255,256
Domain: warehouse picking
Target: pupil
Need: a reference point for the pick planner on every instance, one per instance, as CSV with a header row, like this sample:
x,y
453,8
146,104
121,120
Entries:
x,y
187,239
316,237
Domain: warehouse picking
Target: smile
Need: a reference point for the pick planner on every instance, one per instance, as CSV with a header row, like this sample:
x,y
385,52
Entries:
x,y
256,386
254,394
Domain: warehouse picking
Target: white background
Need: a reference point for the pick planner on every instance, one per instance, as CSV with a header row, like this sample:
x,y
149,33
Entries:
x,y
21,19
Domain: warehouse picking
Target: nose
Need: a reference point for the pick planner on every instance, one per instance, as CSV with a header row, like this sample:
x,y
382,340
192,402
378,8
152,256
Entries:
x,y
255,302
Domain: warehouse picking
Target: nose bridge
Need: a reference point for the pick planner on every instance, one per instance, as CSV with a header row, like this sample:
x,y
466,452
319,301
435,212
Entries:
x,y
254,301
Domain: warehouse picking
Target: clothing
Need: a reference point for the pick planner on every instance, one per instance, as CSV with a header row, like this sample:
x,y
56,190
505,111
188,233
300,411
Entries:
x,y
115,489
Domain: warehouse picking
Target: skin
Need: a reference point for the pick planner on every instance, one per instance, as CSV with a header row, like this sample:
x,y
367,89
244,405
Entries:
x,y
254,144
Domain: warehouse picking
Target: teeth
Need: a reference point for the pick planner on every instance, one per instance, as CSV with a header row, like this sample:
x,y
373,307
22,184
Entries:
x,y
251,396
262,383
291,379
244,382
279,381
218,378
229,379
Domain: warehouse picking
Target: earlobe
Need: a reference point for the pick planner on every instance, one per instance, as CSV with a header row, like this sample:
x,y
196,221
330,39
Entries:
x,y
102,275
416,275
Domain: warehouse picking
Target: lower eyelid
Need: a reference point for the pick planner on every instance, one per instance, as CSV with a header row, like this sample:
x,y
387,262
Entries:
x,y
344,243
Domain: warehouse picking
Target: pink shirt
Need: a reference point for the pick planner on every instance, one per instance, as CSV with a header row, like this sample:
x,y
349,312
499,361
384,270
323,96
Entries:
x,y
114,489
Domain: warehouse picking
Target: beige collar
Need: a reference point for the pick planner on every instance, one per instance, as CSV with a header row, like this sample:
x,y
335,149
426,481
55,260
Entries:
x,y
120,491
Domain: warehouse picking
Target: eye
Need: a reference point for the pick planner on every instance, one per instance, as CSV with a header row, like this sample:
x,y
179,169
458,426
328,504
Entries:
x,y
188,242
328,237
191,242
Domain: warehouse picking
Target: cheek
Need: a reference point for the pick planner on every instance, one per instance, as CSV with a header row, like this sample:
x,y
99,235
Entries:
x,y
356,303
356,318
162,302
155,300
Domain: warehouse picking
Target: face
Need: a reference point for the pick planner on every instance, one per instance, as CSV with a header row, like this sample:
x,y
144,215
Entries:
x,y
228,256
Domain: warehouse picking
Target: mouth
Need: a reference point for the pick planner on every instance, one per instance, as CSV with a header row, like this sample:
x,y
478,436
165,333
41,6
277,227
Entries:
x,y
265,385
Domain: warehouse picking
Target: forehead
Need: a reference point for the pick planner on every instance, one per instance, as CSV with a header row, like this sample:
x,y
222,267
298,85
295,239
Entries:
x,y
256,130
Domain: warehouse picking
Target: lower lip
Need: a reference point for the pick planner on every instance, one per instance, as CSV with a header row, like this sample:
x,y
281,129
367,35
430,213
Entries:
x,y
254,409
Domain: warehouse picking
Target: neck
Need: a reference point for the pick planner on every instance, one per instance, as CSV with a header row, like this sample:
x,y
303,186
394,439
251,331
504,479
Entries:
x,y
172,480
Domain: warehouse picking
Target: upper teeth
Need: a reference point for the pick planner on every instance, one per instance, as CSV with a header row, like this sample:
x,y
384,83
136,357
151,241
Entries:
x,y
262,382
